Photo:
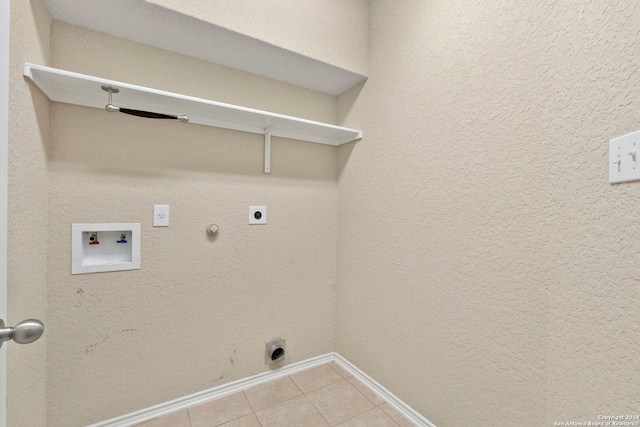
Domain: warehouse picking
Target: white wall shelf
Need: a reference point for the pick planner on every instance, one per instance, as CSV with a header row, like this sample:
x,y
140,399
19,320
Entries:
x,y
80,89
147,23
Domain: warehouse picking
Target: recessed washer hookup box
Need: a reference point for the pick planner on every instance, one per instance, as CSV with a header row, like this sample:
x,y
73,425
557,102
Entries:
x,y
105,247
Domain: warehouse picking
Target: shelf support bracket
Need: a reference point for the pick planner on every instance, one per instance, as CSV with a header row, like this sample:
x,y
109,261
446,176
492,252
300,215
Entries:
x,y
267,148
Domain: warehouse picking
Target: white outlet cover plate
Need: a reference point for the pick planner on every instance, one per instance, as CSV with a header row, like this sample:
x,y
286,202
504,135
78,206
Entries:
x,y
619,149
252,215
160,215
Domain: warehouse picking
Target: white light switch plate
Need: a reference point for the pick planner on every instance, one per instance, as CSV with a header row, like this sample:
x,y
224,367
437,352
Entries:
x,y
624,166
160,215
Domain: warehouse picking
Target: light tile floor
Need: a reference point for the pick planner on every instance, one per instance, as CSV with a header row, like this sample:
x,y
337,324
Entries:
x,y
323,396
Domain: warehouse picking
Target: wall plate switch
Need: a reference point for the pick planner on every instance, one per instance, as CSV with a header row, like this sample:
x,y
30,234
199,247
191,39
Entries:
x,y
257,214
624,159
160,215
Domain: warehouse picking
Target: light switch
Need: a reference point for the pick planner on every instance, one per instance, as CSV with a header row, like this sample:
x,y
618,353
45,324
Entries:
x,y
160,215
624,161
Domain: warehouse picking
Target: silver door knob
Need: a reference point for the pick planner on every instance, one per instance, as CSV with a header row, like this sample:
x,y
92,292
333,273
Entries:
x,y
24,332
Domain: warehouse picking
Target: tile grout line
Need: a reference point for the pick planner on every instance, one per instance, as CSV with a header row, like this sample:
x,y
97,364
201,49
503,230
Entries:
x,y
253,412
375,407
244,392
406,412
302,394
257,419
368,400
357,391
355,379
295,384
317,410
214,393
352,380
271,406
320,388
309,400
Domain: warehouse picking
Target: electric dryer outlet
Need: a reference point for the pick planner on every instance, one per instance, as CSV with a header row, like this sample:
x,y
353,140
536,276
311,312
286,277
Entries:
x,y
257,215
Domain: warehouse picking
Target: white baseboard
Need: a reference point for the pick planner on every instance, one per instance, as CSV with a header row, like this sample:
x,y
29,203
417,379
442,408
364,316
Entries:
x,y
391,399
246,383
213,393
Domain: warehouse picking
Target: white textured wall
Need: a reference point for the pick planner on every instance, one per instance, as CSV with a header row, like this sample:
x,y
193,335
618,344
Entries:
x,y
488,272
332,31
200,310
27,215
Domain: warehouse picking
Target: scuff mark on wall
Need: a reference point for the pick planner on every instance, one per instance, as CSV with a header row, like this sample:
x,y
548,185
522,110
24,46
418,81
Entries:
x,y
90,348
